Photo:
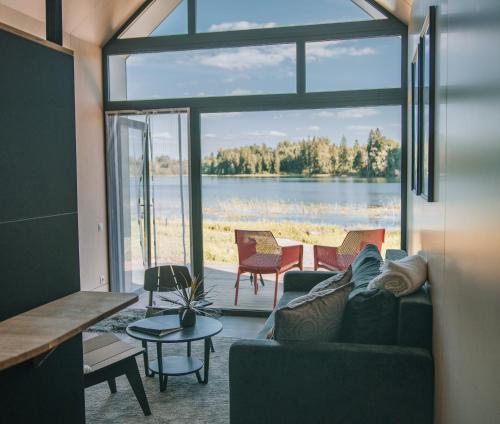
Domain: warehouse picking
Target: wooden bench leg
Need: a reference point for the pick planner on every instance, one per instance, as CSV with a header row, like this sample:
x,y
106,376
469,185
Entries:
x,y
112,385
134,378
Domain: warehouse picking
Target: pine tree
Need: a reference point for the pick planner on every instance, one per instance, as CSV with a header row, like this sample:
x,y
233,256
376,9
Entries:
x,y
344,159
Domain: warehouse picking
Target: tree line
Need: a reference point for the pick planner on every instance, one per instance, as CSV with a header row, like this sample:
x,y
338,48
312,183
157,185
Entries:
x,y
379,157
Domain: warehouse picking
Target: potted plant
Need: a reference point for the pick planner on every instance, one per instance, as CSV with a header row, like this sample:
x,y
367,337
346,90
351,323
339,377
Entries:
x,y
191,299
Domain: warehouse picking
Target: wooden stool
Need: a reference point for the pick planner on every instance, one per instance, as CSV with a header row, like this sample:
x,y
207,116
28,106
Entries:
x,y
106,357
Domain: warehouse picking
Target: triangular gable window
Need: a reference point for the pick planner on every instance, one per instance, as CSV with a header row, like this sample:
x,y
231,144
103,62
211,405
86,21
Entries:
x,y
170,17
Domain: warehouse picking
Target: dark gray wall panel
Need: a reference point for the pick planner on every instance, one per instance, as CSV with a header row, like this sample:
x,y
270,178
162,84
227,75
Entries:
x,y
37,130
38,262
38,222
38,395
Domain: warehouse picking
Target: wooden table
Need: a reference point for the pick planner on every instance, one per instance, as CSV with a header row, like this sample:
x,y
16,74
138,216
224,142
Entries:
x,y
32,335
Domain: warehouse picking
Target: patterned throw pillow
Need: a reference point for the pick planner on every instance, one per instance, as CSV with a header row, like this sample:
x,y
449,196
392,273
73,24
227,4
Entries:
x,y
313,317
337,280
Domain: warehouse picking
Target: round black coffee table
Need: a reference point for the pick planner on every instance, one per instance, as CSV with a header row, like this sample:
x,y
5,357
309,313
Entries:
x,y
204,329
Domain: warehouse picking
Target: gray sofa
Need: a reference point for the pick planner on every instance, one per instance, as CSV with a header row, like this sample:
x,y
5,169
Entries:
x,y
381,371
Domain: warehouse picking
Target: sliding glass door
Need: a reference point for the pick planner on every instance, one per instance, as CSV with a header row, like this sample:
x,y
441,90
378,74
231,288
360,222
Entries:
x,y
148,194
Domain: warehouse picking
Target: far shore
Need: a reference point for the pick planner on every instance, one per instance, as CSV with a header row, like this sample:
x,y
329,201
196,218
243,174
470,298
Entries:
x,y
305,176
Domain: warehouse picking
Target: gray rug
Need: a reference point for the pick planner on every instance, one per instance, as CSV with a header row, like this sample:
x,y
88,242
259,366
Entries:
x,y
118,322
184,401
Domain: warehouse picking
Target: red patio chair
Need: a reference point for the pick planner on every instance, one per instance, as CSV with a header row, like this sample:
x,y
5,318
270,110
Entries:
x,y
339,258
260,253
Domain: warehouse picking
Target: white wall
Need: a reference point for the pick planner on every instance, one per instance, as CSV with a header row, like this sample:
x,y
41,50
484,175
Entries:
x,y
460,232
90,166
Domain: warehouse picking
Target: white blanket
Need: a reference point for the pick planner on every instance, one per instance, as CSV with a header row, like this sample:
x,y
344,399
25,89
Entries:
x,y
401,277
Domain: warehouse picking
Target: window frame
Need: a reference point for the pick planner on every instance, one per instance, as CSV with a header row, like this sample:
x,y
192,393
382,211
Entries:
x,y
301,99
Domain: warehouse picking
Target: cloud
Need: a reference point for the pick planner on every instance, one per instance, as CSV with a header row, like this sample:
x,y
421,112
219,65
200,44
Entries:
x,y
222,115
362,128
277,133
209,135
245,58
326,114
333,49
353,113
309,128
272,133
239,25
240,92
358,112
163,135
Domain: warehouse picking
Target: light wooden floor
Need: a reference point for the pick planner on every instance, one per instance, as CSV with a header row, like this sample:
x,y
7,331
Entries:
x,y
221,279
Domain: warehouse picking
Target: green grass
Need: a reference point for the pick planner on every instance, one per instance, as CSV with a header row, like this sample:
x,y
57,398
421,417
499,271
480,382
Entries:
x,y
218,238
237,213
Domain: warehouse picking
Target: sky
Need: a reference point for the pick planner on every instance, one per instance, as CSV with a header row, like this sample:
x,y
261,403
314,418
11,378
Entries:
x,y
330,66
236,129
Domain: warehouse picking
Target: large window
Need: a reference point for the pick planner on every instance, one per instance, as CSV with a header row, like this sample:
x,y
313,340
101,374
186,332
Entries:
x,y
306,175
170,17
295,126
202,73
353,64
226,15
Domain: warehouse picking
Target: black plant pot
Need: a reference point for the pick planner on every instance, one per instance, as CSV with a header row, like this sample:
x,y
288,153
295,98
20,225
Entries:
x,y
187,317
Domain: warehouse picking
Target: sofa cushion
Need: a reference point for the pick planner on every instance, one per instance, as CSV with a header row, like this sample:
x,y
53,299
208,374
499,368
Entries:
x,y
370,315
334,281
365,268
314,317
269,324
415,319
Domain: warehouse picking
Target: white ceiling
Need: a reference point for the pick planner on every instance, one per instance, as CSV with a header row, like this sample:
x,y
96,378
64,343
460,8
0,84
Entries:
x,y
96,21
399,8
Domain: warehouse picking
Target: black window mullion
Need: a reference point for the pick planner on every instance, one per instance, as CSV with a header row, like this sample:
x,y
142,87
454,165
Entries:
x,y
195,192
301,67
191,17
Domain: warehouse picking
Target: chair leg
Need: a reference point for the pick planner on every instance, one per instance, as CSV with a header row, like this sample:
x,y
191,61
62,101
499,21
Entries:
x,y
134,378
315,253
276,291
112,385
146,359
237,287
262,280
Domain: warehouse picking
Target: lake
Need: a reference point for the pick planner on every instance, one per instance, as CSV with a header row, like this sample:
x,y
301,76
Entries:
x,y
347,202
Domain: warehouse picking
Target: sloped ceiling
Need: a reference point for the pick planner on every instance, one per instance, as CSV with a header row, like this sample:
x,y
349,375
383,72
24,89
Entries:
x,y
96,21
399,8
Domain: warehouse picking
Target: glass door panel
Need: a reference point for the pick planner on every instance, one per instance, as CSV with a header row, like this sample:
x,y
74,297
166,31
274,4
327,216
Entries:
x,y
148,192
169,184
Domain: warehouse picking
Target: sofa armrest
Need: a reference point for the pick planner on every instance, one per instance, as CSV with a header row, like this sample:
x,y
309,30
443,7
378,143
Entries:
x,y
304,280
274,382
